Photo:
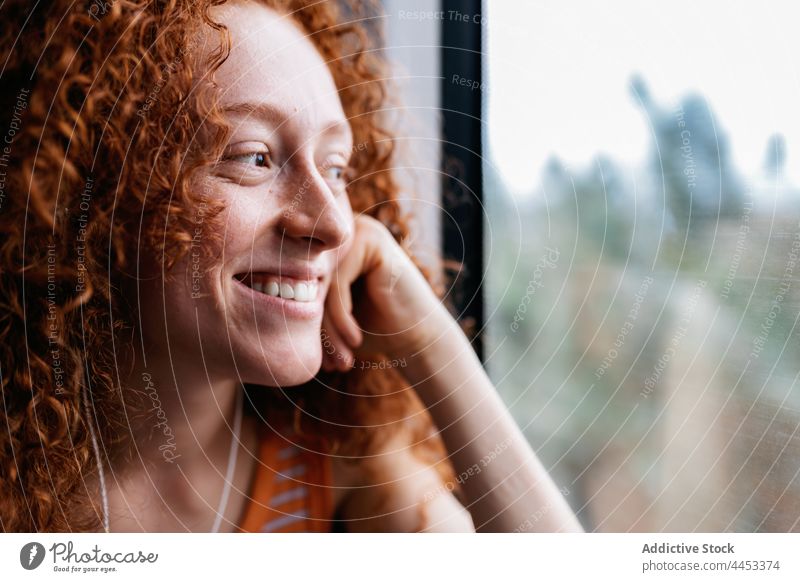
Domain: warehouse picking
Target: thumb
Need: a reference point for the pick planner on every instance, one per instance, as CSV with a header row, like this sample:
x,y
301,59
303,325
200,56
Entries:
x,y
339,302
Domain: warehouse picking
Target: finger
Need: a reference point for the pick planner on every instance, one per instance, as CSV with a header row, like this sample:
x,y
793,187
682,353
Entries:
x,y
328,347
349,267
339,354
339,313
327,365
327,361
349,264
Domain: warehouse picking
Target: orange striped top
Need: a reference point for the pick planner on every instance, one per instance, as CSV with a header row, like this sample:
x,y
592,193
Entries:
x,y
291,491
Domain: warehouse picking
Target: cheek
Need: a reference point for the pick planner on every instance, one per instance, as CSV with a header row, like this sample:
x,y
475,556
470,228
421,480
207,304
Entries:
x,y
243,219
242,213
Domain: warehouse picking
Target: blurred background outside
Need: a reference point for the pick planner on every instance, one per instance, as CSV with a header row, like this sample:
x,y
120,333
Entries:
x,y
642,251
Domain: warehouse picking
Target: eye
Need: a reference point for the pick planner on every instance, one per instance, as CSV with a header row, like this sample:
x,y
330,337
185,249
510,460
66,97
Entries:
x,y
258,159
335,169
335,172
252,155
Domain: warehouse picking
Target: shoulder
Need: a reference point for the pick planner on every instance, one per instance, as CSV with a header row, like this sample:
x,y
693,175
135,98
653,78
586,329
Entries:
x,y
395,490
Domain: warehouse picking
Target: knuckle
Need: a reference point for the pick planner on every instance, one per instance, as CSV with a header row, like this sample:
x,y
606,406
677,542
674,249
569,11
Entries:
x,y
369,225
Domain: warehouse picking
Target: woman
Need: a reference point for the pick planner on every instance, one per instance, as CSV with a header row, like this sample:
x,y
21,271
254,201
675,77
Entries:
x,y
199,215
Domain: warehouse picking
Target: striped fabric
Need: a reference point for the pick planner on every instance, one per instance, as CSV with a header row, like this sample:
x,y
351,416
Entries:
x,y
291,491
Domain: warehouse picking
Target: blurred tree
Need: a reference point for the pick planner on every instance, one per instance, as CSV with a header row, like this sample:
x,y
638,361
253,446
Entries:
x,y
775,158
690,155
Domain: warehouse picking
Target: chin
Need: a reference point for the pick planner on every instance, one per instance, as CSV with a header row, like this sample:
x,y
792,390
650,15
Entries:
x,y
298,363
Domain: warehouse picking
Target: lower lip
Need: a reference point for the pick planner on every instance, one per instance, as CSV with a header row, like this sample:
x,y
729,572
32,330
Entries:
x,y
288,307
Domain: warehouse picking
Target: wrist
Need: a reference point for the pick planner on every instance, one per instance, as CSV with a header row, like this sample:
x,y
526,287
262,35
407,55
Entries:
x,y
443,351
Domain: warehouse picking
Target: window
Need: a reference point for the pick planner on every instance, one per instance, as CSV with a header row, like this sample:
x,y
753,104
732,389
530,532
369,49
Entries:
x,y
642,251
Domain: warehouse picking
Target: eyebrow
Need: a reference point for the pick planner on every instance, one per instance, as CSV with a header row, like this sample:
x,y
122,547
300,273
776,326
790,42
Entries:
x,y
279,115
262,110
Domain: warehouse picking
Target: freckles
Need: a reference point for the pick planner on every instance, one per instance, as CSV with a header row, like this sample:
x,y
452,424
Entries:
x,y
247,217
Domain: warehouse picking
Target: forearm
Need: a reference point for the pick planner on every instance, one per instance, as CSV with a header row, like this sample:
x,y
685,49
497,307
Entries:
x,y
505,485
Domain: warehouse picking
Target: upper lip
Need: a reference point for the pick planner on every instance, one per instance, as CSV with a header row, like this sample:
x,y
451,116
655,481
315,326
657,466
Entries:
x,y
295,271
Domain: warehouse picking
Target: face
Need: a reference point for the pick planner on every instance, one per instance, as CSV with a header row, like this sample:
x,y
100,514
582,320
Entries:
x,y
257,309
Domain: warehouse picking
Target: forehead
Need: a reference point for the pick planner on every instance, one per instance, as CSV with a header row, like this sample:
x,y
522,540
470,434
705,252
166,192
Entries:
x,y
273,63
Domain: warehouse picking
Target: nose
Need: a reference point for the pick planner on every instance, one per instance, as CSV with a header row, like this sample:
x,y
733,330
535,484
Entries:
x,y
313,213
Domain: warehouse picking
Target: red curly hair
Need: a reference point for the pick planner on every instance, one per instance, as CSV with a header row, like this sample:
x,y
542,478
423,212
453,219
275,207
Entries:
x,y
76,208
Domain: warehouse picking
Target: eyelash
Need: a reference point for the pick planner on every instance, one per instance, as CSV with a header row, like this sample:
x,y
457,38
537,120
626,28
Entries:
x,y
265,156
342,172
252,155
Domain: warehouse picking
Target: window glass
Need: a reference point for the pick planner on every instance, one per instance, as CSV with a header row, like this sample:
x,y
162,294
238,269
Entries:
x,y
642,194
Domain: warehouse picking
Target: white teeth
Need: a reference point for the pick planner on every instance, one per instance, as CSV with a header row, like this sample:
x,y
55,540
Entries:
x,y
287,292
301,292
304,292
312,292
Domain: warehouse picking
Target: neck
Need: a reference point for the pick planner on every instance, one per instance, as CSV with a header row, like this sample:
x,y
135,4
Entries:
x,y
182,425
187,417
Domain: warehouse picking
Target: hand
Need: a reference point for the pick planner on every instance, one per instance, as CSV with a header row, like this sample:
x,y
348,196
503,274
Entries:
x,y
396,312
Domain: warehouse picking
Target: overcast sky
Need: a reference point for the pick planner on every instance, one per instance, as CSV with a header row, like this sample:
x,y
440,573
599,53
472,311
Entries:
x,y
559,75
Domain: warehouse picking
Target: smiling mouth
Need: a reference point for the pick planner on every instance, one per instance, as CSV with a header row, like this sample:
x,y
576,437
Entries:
x,y
302,291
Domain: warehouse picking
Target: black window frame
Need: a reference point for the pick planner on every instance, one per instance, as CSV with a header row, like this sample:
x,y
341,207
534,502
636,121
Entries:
x,y
462,158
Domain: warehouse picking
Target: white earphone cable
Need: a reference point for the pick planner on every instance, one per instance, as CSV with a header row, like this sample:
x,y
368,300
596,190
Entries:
x,y
237,429
100,470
